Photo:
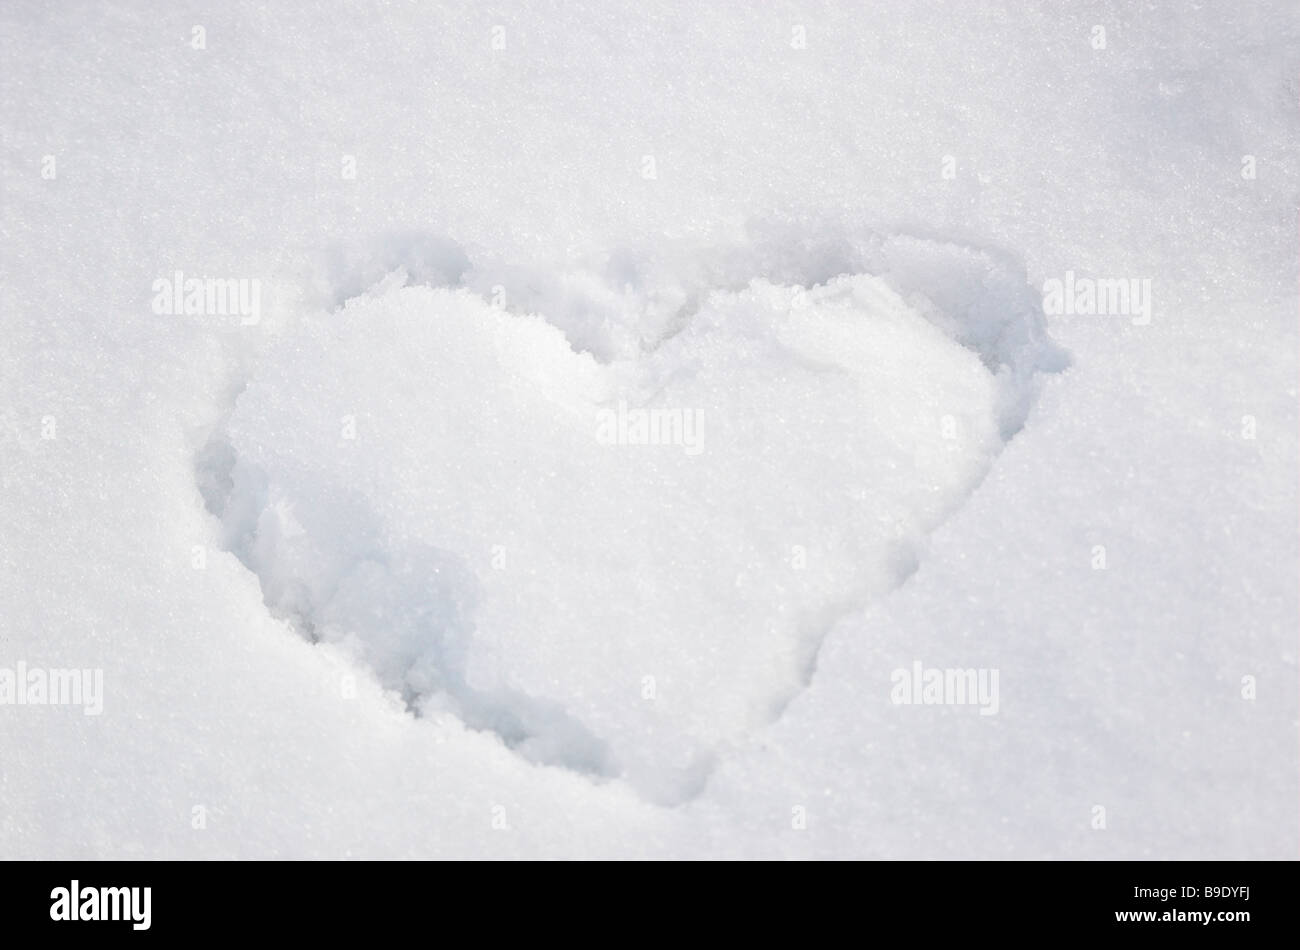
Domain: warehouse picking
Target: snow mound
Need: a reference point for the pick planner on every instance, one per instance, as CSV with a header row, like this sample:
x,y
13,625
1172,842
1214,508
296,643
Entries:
x,y
619,564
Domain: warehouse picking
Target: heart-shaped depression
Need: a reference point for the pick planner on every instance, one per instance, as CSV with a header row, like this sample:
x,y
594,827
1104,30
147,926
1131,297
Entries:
x,y
621,565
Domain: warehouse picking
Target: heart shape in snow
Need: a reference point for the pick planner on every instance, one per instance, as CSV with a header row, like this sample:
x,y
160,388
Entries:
x,y
622,565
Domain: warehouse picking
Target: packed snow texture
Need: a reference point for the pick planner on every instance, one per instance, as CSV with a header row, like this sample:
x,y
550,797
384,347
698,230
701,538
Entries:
x,y
664,379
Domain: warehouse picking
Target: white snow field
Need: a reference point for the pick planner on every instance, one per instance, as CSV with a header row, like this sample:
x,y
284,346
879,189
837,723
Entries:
x,y
617,406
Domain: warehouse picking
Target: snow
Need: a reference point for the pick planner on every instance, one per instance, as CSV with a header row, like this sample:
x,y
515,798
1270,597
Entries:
x,y
389,568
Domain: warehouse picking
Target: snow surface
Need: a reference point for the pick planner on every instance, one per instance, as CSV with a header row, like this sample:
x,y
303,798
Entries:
x,y
436,613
